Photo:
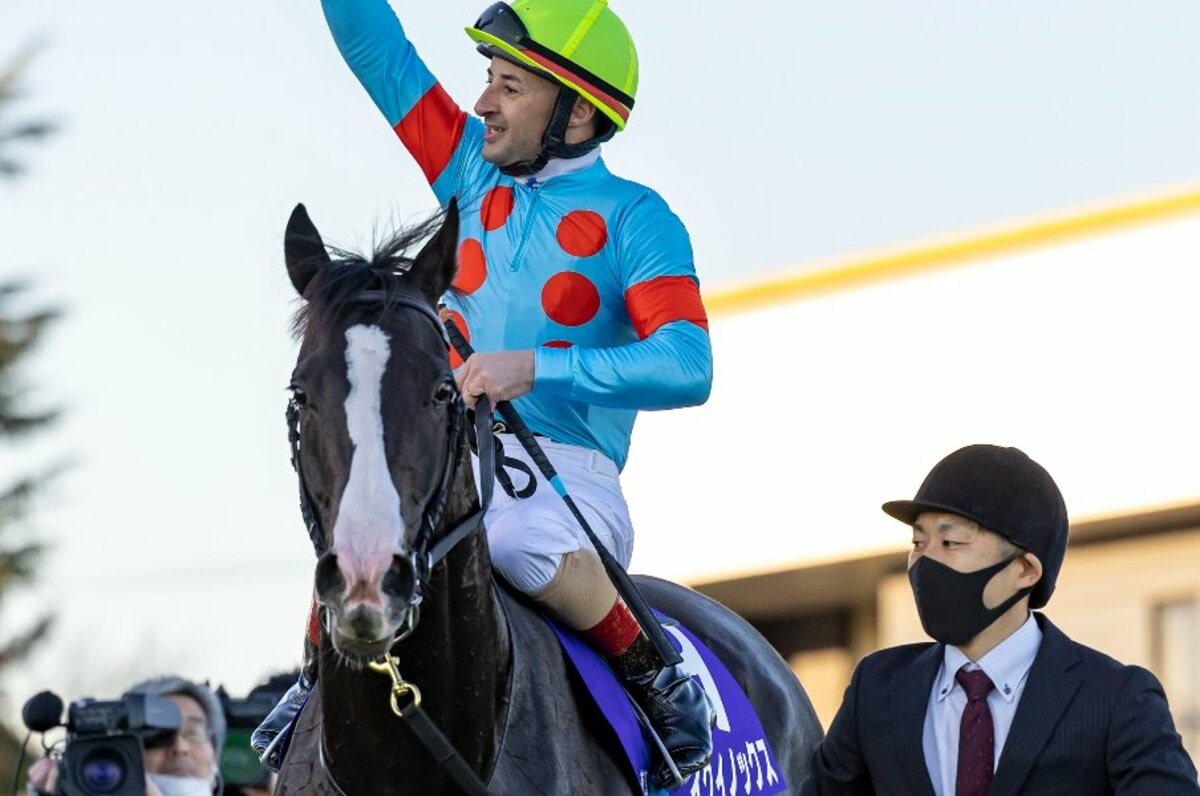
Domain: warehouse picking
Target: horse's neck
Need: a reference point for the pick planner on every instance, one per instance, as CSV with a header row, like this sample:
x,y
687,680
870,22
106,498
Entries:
x,y
458,657
462,625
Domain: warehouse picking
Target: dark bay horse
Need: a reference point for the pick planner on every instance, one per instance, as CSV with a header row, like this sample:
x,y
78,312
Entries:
x,y
386,470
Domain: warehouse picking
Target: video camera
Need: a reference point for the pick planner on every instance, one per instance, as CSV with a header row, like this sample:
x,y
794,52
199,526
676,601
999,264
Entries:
x,y
105,739
240,766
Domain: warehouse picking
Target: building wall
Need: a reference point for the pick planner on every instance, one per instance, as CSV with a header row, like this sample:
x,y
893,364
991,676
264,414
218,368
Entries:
x,y
824,673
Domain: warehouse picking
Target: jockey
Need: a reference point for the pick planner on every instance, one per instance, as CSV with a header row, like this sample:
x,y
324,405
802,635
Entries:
x,y
576,287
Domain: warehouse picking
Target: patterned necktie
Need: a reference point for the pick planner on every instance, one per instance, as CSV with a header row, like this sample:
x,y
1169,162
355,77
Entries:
x,y
976,736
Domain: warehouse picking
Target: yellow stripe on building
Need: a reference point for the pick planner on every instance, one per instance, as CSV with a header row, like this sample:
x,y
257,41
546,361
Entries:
x,y
960,250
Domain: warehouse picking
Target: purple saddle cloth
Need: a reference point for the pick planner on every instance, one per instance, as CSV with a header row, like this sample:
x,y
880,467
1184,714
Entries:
x,y
742,761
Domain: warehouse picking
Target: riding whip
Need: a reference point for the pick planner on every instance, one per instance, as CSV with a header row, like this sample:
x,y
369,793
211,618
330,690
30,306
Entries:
x,y
616,573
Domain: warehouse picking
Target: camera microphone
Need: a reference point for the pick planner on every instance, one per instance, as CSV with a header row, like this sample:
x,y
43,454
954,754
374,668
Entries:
x,y
42,711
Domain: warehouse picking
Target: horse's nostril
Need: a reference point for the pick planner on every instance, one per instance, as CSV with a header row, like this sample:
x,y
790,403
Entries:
x,y
400,581
329,578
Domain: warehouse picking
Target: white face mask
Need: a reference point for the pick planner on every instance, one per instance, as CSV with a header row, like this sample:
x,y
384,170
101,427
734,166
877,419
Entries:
x,y
182,786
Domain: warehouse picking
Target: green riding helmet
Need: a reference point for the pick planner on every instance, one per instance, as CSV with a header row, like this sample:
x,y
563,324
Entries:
x,y
580,44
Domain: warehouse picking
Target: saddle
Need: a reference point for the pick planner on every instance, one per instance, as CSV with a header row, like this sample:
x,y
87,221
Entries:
x,y
742,762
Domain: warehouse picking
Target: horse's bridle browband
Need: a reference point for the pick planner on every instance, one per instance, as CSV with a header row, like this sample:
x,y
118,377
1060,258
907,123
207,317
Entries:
x,y
422,557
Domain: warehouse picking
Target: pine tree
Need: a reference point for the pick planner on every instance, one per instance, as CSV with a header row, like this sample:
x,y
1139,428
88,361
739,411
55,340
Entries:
x,y
20,332
12,134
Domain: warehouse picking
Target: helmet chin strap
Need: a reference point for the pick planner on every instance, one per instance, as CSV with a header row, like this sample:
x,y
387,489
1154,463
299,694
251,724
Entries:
x,y
554,140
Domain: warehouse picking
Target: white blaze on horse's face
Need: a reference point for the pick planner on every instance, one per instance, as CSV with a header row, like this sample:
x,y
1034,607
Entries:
x,y
369,530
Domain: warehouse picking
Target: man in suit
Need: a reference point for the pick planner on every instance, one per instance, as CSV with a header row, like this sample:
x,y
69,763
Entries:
x,y
1004,703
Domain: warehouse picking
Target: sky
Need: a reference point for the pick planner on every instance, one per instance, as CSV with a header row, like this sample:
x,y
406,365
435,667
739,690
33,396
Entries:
x,y
155,217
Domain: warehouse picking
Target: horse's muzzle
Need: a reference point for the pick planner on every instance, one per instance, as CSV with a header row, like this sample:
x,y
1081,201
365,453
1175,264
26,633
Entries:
x,y
367,603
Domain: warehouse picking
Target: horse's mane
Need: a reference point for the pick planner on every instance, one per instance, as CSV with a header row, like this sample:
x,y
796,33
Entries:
x,y
333,289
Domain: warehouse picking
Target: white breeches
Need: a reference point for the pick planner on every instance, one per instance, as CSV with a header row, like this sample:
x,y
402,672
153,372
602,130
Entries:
x,y
528,537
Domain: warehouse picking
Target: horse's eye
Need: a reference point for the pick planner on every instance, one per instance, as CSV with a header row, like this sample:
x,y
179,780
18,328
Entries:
x,y
299,396
445,392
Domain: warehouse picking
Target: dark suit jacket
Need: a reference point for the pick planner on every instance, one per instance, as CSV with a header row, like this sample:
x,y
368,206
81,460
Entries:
x,y
1085,724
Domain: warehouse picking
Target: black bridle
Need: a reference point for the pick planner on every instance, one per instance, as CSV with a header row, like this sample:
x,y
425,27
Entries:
x,y
424,553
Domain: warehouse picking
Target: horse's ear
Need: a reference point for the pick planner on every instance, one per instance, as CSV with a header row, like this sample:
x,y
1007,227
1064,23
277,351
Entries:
x,y
435,266
303,249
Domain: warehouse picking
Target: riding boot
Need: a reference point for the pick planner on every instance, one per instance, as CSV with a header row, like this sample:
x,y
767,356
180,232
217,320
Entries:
x,y
676,705
269,740
583,598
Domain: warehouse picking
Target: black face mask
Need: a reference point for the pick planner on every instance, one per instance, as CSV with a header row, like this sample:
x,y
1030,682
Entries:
x,y
950,603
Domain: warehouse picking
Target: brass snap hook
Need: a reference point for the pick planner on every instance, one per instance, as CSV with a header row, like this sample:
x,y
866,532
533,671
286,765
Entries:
x,y
390,665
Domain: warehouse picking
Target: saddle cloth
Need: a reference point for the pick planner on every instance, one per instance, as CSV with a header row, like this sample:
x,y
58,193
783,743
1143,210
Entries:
x,y
742,761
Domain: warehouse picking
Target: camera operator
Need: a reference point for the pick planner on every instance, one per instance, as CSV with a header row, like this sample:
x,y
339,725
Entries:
x,y
188,764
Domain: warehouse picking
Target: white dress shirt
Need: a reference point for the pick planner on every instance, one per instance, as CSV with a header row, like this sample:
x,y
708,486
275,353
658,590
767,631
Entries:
x,y
1007,666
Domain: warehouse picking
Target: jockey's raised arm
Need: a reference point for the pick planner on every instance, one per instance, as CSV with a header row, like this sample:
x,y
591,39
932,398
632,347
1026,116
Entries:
x,y
433,128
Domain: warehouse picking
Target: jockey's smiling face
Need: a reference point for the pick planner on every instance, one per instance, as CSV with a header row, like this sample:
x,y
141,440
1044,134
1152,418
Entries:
x,y
515,107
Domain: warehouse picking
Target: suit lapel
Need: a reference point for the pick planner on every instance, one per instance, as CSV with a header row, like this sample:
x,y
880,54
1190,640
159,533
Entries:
x,y
1051,686
910,689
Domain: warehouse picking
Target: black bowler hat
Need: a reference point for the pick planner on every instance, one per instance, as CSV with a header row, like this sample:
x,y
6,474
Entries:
x,y
1005,491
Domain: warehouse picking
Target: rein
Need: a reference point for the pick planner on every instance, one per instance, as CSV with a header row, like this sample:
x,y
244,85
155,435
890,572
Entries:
x,y
423,556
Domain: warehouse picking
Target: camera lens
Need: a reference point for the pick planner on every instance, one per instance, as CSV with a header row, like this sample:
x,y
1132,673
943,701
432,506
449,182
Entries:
x,y
102,771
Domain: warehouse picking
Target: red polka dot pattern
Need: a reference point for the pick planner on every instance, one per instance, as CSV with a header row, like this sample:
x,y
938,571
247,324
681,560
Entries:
x,y
497,207
582,233
472,266
570,299
557,344
457,318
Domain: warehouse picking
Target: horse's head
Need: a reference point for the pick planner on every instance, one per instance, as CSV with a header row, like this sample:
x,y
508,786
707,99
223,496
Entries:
x,y
377,415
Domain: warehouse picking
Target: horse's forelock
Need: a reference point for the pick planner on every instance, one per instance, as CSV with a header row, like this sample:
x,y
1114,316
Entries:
x,y
330,292
334,287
